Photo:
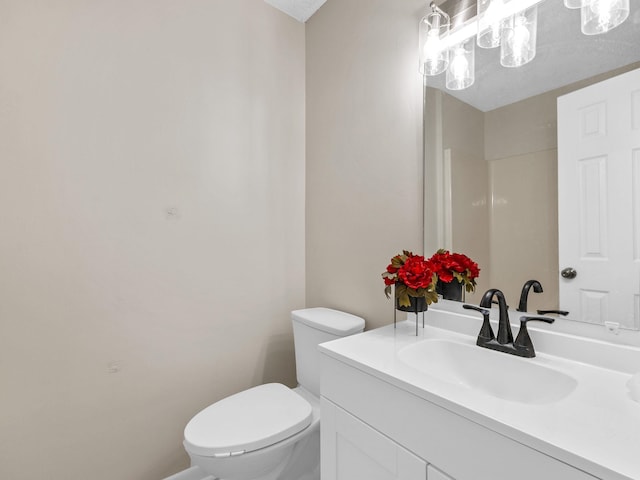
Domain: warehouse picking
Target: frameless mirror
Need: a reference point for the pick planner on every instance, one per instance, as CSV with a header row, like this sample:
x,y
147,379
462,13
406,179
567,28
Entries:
x,y
491,160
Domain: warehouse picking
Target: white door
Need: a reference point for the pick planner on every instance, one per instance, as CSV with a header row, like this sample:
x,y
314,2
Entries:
x,y
599,201
352,450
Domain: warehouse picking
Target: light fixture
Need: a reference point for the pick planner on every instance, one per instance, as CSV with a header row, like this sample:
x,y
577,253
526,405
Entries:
x,y
518,42
434,28
489,21
461,71
600,16
574,3
516,22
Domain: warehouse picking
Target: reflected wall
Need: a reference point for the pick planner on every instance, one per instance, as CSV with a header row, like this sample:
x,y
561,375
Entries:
x,y
508,158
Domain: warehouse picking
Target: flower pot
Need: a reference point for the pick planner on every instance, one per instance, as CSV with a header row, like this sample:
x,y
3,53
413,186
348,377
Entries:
x,y
450,291
418,304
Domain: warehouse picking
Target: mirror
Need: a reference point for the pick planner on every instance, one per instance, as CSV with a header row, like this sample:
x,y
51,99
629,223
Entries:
x,y
491,156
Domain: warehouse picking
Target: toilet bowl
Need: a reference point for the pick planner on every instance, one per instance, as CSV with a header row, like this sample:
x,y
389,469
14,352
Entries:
x,y
256,434
271,432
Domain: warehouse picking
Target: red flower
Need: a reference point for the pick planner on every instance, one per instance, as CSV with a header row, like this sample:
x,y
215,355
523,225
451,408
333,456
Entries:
x,y
413,276
416,272
444,266
455,266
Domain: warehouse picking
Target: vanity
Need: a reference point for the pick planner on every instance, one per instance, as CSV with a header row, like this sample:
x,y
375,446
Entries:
x,y
435,406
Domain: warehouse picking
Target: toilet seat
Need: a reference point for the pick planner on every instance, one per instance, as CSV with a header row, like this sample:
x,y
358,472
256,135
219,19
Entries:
x,y
247,421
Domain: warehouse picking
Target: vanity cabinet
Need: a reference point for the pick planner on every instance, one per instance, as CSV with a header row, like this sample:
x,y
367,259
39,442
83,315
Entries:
x,y
351,449
375,429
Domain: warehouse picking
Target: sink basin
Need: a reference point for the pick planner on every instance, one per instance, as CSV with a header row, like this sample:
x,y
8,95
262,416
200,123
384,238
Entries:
x,y
497,374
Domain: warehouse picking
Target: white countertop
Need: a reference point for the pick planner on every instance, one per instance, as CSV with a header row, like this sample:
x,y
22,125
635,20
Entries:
x,y
596,428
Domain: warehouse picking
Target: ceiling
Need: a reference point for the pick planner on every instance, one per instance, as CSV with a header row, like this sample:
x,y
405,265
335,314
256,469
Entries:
x,y
564,55
301,10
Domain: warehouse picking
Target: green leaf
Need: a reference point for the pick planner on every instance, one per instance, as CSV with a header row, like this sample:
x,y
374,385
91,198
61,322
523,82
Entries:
x,y
412,292
398,261
403,300
432,297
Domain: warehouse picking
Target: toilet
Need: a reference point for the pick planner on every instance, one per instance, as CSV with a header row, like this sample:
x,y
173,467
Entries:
x,y
270,432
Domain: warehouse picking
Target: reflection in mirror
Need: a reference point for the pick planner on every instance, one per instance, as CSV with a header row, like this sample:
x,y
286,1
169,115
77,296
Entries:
x,y
491,160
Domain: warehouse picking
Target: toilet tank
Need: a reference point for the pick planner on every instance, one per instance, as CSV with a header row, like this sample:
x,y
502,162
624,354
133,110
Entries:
x,y
311,327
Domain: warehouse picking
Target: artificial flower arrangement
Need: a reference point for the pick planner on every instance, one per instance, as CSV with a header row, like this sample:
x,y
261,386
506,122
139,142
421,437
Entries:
x,y
450,266
413,276
417,277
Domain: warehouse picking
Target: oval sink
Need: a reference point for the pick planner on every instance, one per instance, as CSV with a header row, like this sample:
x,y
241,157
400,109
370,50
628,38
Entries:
x,y
495,373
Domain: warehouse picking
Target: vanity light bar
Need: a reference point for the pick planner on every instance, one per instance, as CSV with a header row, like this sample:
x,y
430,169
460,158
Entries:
x,y
470,28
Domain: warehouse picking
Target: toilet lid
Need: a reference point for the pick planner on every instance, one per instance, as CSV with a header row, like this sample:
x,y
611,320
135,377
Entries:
x,y
246,421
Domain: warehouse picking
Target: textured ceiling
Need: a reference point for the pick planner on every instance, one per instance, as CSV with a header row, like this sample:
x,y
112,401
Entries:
x,y
564,55
301,10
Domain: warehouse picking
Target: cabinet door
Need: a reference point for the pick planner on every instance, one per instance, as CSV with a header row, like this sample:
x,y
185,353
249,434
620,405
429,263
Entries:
x,y
353,450
435,474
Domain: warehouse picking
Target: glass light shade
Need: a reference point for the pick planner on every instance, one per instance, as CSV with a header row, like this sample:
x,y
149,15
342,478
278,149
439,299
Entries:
x,y
518,41
574,3
600,16
434,28
489,23
461,71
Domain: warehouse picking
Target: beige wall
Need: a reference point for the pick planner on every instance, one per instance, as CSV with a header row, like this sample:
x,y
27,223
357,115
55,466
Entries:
x,y
503,191
458,202
152,246
364,152
521,147
524,226
463,138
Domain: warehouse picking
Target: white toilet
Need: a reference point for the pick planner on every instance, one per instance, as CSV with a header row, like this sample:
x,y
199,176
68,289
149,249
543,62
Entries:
x,y
270,431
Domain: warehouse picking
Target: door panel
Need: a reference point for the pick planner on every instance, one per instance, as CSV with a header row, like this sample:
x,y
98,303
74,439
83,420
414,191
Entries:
x,y
352,450
598,201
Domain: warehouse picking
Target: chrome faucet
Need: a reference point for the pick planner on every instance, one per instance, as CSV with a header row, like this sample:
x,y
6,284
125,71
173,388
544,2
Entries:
x,y
522,346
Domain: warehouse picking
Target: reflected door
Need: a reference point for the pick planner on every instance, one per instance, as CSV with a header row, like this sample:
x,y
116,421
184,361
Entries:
x,y
599,201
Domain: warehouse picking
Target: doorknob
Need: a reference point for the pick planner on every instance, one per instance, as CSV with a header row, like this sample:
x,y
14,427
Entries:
x,y
568,273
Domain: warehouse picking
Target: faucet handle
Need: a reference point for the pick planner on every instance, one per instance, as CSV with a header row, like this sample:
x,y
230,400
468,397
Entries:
x,y
564,313
483,311
527,318
523,340
486,332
